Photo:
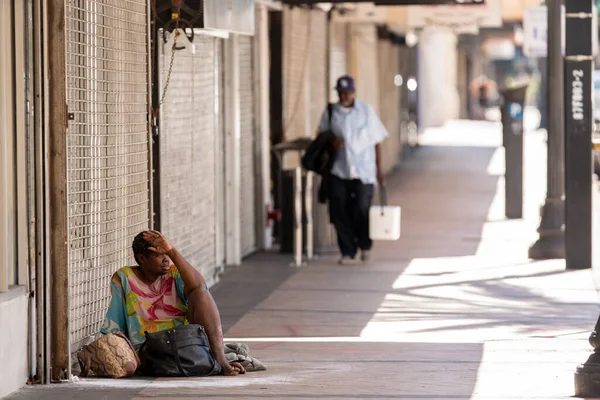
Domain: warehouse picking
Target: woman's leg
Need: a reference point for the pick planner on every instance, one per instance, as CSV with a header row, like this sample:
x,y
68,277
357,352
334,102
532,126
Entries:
x,y
202,310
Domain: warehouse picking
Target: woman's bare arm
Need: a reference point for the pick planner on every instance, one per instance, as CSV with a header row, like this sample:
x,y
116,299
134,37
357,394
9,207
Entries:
x,y
202,308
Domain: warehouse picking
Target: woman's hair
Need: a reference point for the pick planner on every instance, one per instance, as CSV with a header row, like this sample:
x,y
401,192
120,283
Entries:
x,y
140,246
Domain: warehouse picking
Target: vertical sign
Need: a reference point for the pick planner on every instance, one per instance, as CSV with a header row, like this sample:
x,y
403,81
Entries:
x,y
535,28
578,133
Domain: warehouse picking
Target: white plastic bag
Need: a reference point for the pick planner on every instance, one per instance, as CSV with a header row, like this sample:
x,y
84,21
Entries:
x,y
384,220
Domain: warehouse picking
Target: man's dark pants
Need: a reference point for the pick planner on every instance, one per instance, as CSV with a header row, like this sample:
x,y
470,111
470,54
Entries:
x,y
349,203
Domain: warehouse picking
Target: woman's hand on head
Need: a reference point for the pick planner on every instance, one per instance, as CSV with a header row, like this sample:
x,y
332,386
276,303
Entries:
x,y
160,244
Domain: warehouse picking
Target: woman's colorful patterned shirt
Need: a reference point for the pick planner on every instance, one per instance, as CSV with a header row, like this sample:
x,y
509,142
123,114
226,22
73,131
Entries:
x,y
136,307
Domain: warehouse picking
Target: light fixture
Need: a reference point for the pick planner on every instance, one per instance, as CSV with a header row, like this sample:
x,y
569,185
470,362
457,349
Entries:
x,y
411,84
411,39
398,80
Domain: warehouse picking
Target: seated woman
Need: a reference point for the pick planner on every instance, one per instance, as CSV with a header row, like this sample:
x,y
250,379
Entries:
x,y
156,295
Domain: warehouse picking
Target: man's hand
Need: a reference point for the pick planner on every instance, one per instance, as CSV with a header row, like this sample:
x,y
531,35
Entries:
x,y
338,143
380,177
160,244
232,369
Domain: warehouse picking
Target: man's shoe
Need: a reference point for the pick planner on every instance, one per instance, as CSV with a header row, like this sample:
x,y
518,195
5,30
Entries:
x,y
346,260
365,255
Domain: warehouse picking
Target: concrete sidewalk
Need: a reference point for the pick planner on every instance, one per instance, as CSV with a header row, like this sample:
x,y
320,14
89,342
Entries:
x,y
454,310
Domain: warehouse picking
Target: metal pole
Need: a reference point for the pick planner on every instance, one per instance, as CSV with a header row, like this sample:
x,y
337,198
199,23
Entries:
x,y
551,243
308,207
151,74
42,197
297,217
6,135
328,77
578,133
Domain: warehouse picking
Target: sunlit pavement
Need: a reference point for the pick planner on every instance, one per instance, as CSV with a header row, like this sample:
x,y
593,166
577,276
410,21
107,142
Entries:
x,y
454,310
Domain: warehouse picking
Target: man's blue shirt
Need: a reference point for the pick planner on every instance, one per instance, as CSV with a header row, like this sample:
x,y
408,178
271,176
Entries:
x,y
361,129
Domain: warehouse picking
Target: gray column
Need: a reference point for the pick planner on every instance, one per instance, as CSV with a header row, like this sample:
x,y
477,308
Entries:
x,y
438,96
551,243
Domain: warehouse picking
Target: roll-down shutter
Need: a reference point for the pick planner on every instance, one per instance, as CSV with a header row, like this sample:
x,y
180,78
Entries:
x,y
188,160
247,145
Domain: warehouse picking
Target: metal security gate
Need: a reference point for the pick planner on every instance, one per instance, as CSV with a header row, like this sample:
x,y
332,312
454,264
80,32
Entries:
x,y
189,162
107,149
247,145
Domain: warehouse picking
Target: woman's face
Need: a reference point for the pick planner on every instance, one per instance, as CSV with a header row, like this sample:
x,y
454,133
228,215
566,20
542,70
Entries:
x,y
155,263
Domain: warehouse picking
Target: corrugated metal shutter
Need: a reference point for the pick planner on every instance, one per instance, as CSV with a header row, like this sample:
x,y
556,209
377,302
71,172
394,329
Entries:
x,y
188,160
247,162
296,59
107,149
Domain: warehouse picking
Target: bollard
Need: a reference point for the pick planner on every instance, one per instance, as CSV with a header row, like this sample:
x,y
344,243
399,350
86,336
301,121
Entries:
x,y
512,135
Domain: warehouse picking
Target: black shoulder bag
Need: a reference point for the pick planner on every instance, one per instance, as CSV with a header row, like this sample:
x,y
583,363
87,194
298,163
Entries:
x,y
181,351
318,155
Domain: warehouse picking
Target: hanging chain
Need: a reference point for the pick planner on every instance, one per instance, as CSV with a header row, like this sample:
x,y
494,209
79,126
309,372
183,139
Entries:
x,y
176,33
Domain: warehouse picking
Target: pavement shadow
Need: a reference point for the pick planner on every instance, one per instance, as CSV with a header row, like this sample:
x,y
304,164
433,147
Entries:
x,y
561,311
241,289
445,194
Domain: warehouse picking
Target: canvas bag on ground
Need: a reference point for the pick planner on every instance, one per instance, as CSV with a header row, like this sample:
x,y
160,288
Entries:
x,y
111,356
384,220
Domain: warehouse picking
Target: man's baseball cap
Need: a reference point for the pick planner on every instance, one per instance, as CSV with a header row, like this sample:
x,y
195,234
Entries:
x,y
345,84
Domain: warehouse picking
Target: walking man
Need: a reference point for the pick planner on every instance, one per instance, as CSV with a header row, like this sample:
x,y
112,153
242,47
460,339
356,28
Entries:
x,y
358,133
